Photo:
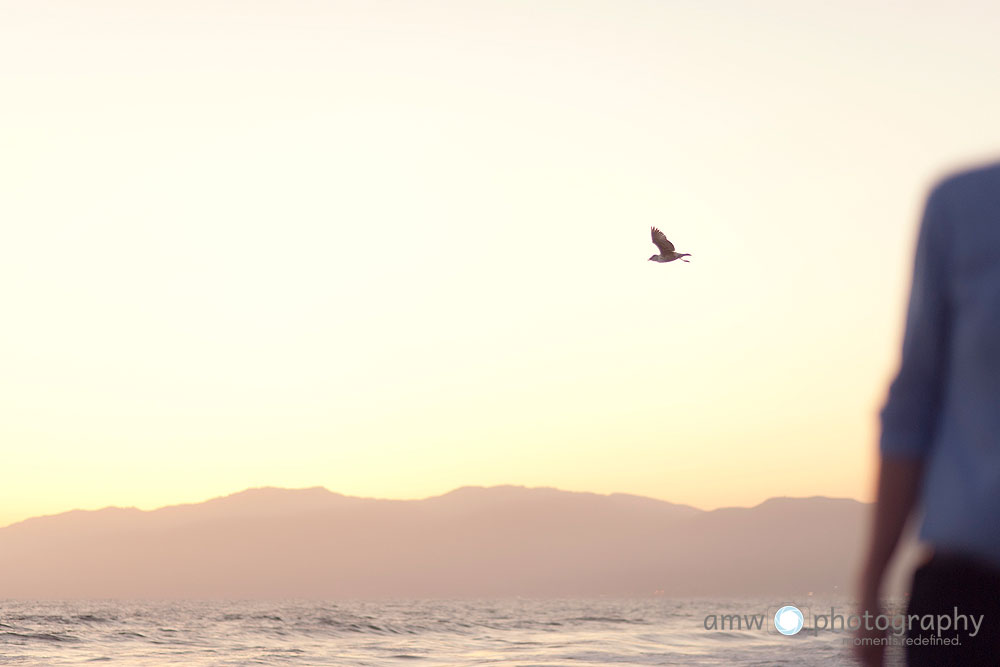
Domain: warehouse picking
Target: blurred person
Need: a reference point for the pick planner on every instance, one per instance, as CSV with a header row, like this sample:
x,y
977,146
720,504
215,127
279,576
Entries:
x,y
940,440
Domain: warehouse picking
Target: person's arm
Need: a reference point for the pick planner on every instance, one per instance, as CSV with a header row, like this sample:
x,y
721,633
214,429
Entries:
x,y
898,486
910,415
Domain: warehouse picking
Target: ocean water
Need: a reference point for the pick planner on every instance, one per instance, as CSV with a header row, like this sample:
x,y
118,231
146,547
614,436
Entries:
x,y
524,632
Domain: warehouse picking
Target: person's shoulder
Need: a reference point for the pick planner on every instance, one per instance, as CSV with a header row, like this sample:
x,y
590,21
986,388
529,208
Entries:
x,y
969,183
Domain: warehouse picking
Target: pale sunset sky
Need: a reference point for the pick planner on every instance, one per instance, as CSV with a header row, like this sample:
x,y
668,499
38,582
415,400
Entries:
x,y
394,248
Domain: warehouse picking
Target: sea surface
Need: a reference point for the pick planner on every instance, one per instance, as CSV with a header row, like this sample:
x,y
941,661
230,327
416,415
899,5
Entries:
x,y
418,633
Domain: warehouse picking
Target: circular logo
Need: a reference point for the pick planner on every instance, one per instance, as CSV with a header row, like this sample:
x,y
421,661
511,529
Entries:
x,y
788,620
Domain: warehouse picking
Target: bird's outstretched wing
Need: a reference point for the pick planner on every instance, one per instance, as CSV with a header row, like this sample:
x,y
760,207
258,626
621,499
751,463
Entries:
x,y
661,242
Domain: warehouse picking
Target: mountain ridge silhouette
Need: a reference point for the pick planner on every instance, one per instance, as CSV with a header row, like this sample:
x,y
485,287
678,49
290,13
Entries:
x,y
508,540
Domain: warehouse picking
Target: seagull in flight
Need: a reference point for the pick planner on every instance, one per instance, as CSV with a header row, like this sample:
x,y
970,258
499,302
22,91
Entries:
x,y
667,252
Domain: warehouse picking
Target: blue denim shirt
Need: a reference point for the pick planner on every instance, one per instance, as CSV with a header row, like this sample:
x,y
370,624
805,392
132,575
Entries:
x,y
944,404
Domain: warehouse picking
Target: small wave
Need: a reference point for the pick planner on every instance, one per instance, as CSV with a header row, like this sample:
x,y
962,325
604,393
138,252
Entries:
x,y
326,620
41,636
251,617
90,618
43,618
608,619
719,634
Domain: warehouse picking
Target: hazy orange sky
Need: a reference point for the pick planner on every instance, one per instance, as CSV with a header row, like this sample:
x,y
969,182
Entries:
x,y
392,248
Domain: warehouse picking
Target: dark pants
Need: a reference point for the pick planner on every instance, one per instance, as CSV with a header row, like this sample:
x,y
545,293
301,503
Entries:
x,y
953,586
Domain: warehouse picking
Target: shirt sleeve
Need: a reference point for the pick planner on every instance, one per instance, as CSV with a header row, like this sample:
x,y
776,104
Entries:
x,y
910,414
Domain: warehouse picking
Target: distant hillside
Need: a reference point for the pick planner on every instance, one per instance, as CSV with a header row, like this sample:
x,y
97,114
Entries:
x,y
473,541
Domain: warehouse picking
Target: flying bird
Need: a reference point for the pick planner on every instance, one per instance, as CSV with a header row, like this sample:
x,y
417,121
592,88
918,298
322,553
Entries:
x,y
667,252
